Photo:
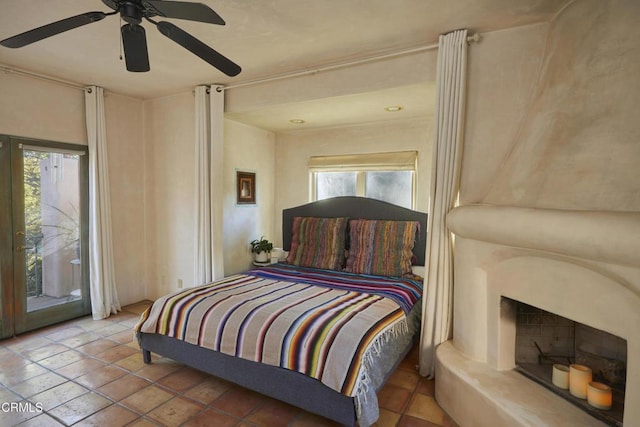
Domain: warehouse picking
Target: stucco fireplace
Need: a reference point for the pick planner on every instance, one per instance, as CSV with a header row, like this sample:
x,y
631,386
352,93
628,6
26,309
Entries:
x,y
580,265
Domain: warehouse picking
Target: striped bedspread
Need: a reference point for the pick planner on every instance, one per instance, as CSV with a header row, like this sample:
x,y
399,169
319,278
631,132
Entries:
x,y
405,292
316,322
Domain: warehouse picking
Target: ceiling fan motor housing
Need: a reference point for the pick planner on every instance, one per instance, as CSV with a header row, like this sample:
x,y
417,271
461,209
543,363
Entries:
x,y
131,12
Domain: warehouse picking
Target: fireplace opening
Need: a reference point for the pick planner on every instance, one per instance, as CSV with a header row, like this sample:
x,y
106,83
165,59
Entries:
x,y
545,340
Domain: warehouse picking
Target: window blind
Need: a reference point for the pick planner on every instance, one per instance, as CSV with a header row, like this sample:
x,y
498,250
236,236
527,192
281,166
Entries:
x,y
400,160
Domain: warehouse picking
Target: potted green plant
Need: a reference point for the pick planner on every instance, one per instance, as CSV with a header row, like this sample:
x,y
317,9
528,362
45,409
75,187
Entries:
x,y
261,248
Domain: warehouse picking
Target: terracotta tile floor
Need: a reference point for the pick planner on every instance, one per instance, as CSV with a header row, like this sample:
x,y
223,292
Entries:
x,y
90,373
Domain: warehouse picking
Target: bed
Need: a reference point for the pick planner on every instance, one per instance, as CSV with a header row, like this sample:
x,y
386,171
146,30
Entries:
x,y
348,331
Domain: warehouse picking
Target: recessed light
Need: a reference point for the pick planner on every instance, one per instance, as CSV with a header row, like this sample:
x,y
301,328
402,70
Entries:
x,y
393,108
296,121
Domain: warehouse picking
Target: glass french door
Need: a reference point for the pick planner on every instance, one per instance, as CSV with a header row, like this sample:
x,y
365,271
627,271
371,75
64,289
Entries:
x,y
43,233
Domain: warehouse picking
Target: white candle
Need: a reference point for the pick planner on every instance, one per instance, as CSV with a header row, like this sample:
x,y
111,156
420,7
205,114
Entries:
x,y
599,395
560,377
579,377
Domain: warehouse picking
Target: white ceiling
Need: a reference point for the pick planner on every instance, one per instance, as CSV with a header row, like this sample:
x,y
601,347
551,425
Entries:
x,y
265,38
416,100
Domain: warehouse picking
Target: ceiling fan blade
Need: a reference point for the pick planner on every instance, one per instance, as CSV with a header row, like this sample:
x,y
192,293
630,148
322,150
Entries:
x,y
134,41
198,48
52,29
183,10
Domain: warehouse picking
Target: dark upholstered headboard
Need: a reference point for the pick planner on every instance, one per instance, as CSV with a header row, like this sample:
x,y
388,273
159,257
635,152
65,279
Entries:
x,y
357,208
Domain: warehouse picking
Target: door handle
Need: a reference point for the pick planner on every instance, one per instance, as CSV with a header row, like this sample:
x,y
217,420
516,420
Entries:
x,y
21,248
19,233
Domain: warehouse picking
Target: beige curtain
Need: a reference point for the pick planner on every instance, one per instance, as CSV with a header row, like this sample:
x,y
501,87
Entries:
x,y
216,100
209,110
102,280
447,149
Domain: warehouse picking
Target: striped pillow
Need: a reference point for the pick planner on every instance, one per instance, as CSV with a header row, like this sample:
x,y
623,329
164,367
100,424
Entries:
x,y
381,247
318,242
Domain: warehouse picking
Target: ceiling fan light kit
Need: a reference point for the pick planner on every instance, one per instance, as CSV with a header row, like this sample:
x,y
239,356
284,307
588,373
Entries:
x,y
134,39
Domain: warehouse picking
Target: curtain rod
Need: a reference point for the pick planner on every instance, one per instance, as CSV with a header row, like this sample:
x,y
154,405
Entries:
x,y
13,70
473,38
84,87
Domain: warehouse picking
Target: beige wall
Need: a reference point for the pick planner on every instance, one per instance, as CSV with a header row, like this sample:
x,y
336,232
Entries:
x,y
38,109
170,192
553,122
125,138
42,110
502,72
293,150
247,149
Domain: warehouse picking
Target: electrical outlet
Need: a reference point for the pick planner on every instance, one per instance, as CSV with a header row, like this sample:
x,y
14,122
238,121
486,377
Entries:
x,y
179,283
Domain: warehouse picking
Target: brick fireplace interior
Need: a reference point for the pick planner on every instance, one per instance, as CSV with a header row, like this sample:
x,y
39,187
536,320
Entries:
x,y
544,339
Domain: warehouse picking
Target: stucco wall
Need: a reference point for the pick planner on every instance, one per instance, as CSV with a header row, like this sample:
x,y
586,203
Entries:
x,y
170,192
38,109
253,150
552,122
126,177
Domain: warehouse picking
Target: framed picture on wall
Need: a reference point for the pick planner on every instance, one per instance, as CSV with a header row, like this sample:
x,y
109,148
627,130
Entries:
x,y
245,188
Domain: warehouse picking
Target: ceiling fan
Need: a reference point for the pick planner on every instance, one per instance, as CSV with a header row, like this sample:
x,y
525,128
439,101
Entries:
x,y
134,40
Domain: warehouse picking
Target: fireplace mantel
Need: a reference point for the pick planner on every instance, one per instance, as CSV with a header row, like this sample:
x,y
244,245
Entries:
x,y
582,265
612,237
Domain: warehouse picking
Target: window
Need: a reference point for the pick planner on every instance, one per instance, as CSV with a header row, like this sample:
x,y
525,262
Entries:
x,y
333,184
384,176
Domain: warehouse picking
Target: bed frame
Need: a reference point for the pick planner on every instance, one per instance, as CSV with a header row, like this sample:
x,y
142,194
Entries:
x,y
273,381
